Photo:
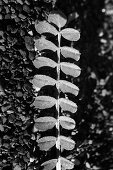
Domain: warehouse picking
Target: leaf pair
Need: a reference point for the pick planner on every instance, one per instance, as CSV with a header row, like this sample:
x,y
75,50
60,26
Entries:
x,y
58,19
65,164
40,81
46,143
45,102
67,68
47,122
68,52
67,33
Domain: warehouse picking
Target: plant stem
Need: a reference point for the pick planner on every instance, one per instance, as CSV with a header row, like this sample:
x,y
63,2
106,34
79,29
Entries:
x,y
58,167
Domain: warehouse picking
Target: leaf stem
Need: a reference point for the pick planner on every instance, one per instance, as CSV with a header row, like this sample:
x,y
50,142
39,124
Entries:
x,y
58,167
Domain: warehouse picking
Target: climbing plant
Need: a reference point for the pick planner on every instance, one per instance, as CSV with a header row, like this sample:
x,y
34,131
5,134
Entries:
x,y
62,60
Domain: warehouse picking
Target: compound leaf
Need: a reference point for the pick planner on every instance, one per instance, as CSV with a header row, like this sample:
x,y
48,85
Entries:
x,y
45,27
44,62
49,165
67,87
69,52
45,123
67,122
67,105
44,102
66,164
46,143
42,80
57,18
43,44
70,34
70,69
66,143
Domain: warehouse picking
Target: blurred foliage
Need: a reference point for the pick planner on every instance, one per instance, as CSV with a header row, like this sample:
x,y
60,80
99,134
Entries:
x,y
94,19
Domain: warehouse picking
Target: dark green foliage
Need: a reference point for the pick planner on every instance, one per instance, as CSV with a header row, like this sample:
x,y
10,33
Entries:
x,y
94,119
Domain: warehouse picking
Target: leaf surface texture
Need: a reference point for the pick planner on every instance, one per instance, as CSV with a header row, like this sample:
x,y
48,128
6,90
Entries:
x,y
66,143
43,44
70,34
46,143
42,80
45,27
69,52
70,69
67,105
44,102
67,122
44,62
57,18
66,164
67,87
45,123
49,165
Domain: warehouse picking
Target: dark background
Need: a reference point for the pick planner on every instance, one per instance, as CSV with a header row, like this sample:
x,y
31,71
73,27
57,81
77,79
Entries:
x,y
94,20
